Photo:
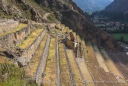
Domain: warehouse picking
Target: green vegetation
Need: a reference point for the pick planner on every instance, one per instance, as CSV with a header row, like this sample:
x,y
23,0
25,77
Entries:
x,y
47,9
11,75
51,18
2,15
118,36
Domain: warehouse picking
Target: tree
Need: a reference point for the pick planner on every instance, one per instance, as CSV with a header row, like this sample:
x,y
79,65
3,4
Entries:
x,y
122,39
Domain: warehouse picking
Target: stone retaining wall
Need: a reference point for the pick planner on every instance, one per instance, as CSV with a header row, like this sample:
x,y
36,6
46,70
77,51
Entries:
x,y
27,54
12,39
7,25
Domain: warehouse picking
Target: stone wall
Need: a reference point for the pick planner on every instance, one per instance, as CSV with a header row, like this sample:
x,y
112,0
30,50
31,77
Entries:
x,y
12,39
27,54
7,25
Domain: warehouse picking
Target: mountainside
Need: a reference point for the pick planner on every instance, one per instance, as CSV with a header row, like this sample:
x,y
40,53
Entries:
x,y
92,5
118,6
52,43
66,11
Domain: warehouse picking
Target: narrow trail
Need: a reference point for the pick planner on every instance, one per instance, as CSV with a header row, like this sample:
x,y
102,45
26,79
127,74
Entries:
x,y
46,16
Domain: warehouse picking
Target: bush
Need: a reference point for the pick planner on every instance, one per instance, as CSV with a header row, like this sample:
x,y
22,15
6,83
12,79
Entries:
x,y
11,75
51,18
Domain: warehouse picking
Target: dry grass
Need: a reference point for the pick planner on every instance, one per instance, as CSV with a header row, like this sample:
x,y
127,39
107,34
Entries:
x,y
2,59
50,75
91,54
74,68
21,25
30,39
64,73
65,29
100,59
61,26
85,72
34,61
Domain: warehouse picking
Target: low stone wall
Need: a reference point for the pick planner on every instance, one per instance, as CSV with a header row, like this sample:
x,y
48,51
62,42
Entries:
x,y
12,39
7,25
27,54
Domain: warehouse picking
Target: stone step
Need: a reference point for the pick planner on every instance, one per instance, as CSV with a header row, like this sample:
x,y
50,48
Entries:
x,y
32,66
100,59
30,38
91,54
104,76
30,45
7,25
113,79
13,37
78,80
95,74
38,77
64,67
110,64
86,74
50,70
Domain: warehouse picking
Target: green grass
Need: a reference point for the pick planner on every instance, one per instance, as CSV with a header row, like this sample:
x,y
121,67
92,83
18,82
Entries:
x,y
15,76
117,36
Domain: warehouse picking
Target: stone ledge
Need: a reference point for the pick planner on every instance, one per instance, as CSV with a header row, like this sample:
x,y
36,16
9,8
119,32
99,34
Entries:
x,y
7,25
27,54
12,39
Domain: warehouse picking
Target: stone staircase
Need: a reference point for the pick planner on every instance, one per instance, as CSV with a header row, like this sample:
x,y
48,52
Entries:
x,y
48,62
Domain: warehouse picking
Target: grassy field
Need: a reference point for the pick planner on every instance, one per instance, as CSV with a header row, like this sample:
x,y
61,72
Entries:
x,y
11,75
118,36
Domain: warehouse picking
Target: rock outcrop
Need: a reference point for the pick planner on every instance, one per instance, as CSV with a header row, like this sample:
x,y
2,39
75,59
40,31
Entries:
x,y
7,25
20,9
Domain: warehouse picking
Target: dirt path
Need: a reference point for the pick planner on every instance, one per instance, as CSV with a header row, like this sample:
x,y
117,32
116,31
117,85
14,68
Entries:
x,y
46,15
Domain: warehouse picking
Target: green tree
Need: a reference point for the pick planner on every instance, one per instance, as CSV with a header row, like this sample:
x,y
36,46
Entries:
x,y
122,39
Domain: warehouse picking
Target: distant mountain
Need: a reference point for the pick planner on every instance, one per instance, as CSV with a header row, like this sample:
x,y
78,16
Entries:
x,y
92,5
118,6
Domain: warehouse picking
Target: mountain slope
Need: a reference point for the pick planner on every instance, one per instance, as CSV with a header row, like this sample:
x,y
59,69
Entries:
x,y
118,6
73,17
66,11
88,5
92,5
